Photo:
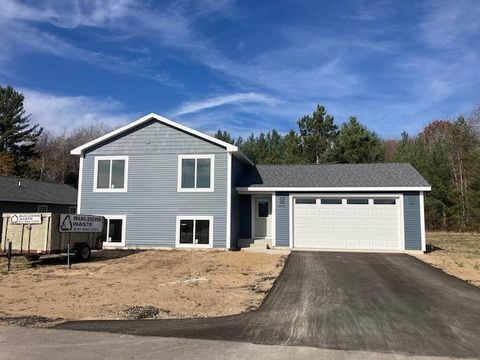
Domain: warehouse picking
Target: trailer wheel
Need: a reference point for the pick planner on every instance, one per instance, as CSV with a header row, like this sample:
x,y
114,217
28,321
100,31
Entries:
x,y
83,253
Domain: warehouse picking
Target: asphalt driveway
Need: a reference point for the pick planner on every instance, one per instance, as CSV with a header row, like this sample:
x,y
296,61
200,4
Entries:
x,y
349,301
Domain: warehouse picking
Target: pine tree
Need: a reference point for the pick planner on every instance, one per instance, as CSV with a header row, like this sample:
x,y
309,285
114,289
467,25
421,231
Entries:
x,y
317,134
17,135
356,144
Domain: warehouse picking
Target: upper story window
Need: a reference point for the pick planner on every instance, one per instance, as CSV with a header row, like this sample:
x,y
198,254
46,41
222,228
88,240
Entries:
x,y
111,174
195,172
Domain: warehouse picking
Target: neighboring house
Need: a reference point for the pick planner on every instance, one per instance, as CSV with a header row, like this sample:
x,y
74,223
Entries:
x,y
19,195
162,184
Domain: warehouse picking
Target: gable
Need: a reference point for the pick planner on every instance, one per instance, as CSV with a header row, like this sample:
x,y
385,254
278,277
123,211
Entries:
x,y
154,137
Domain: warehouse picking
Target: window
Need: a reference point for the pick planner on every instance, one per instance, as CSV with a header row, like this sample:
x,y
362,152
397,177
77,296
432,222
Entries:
x,y
195,172
194,231
357,201
72,209
263,208
42,208
111,174
115,230
305,201
384,201
331,201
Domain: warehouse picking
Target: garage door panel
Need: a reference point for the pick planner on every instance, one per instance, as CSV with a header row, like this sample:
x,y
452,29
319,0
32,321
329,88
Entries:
x,y
347,226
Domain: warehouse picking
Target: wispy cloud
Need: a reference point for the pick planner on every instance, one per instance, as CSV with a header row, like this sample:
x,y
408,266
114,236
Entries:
x,y
395,72
52,111
197,106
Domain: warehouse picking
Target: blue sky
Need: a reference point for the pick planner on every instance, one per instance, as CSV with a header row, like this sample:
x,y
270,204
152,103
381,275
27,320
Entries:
x,y
242,65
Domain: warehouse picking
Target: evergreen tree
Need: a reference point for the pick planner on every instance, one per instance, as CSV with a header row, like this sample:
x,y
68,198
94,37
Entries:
x,y
356,144
224,136
17,135
317,134
292,153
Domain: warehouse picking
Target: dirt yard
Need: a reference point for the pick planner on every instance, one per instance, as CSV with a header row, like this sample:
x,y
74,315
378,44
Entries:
x,y
457,254
128,284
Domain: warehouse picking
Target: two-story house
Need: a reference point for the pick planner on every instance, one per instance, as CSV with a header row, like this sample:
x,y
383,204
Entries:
x,y
160,184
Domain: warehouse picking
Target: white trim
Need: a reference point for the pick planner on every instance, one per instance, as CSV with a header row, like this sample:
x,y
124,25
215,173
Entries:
x,y
193,217
290,221
330,189
109,245
401,234
196,157
80,181
264,196
422,221
125,173
274,220
79,150
229,202
402,222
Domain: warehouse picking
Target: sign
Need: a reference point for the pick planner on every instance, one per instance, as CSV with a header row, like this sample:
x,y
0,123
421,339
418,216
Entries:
x,y
26,219
81,223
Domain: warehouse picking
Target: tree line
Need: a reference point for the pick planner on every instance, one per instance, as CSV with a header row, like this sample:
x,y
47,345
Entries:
x,y
445,152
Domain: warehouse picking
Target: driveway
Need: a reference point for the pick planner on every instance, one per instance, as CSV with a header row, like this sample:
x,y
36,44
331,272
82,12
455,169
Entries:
x,y
348,301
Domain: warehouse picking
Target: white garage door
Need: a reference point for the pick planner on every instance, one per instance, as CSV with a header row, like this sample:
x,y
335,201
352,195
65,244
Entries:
x,y
365,223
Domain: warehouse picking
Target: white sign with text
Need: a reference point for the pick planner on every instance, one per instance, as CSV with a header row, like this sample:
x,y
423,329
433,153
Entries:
x,y
81,223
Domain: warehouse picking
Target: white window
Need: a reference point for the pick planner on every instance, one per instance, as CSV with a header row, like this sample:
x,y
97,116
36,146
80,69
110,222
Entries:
x,y
195,172
110,174
194,231
42,208
115,230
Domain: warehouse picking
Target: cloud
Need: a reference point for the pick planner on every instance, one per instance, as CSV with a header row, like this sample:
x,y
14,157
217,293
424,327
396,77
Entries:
x,y
197,106
67,14
50,110
448,24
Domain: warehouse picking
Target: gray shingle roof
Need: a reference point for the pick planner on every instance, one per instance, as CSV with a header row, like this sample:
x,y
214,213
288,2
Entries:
x,y
36,191
336,175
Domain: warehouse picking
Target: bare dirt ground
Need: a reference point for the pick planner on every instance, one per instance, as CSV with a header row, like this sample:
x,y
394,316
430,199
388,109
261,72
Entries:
x,y
457,254
130,284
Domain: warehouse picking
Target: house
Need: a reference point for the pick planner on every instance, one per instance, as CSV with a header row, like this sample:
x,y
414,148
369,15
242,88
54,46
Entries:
x,y
19,195
164,185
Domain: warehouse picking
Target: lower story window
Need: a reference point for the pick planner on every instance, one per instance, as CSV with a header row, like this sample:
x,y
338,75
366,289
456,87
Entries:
x,y
115,230
195,231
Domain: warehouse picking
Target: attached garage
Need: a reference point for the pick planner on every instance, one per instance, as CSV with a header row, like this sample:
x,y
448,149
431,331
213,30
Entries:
x,y
366,222
349,207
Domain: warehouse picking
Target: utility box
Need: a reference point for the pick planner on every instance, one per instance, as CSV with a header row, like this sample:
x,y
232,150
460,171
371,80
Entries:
x,y
35,234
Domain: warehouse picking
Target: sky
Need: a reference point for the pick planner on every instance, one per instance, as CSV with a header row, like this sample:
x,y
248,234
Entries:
x,y
242,66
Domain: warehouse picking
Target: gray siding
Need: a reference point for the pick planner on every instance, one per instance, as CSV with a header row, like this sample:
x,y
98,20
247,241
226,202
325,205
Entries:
x,y
237,215
152,202
412,222
282,231
411,214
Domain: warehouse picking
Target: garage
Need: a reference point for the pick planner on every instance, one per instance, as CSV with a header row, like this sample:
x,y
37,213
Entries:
x,y
348,222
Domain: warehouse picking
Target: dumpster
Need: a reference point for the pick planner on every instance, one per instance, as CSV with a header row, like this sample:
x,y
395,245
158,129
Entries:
x,y
36,234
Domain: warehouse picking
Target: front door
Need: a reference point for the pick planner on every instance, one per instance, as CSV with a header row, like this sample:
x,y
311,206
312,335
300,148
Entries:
x,y
263,212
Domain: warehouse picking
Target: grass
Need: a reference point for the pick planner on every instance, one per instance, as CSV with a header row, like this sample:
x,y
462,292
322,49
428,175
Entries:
x,y
457,254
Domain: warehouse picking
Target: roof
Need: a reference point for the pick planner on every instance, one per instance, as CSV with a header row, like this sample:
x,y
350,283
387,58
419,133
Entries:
x,y
335,177
36,191
152,116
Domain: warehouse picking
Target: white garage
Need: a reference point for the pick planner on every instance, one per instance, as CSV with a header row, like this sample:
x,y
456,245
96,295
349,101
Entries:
x,y
348,222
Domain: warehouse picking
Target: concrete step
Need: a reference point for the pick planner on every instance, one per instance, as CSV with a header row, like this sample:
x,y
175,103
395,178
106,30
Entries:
x,y
254,243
